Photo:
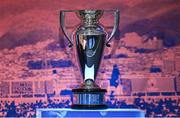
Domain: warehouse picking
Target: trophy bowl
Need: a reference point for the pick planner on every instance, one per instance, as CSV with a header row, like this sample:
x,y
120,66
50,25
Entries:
x,y
91,39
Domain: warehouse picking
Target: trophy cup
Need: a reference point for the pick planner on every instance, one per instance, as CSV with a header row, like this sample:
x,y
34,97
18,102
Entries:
x,y
90,40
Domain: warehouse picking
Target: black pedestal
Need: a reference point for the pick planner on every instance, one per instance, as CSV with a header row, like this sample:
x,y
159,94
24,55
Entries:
x,y
88,98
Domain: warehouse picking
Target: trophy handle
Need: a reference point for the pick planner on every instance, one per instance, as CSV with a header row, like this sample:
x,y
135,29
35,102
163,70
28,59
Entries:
x,y
64,30
116,25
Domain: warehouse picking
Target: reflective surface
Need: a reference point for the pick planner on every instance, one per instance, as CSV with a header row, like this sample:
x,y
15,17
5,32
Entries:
x,y
88,99
89,50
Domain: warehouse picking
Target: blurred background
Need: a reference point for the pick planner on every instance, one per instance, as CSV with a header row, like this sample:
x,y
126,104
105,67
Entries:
x,y
140,70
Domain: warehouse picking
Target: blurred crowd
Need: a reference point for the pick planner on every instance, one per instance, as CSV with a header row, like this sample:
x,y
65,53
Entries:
x,y
152,107
159,108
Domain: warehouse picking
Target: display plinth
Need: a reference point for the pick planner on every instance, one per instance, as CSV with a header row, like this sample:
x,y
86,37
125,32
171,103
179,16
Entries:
x,y
106,113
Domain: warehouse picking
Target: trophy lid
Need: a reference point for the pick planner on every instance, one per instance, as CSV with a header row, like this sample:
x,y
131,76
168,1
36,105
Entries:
x,y
89,16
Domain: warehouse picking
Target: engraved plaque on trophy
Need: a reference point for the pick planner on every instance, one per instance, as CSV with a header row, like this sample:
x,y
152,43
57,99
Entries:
x,y
90,41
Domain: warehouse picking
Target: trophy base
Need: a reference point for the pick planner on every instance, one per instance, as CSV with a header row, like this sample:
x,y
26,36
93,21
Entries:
x,y
88,98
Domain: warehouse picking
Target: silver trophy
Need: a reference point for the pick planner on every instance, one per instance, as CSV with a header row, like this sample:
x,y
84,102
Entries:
x,y
90,40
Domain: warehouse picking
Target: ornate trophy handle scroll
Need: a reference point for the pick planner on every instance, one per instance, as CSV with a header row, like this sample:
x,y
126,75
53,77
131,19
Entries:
x,y
62,24
116,25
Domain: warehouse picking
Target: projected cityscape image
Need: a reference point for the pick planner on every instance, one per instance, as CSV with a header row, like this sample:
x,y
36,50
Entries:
x,y
140,70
